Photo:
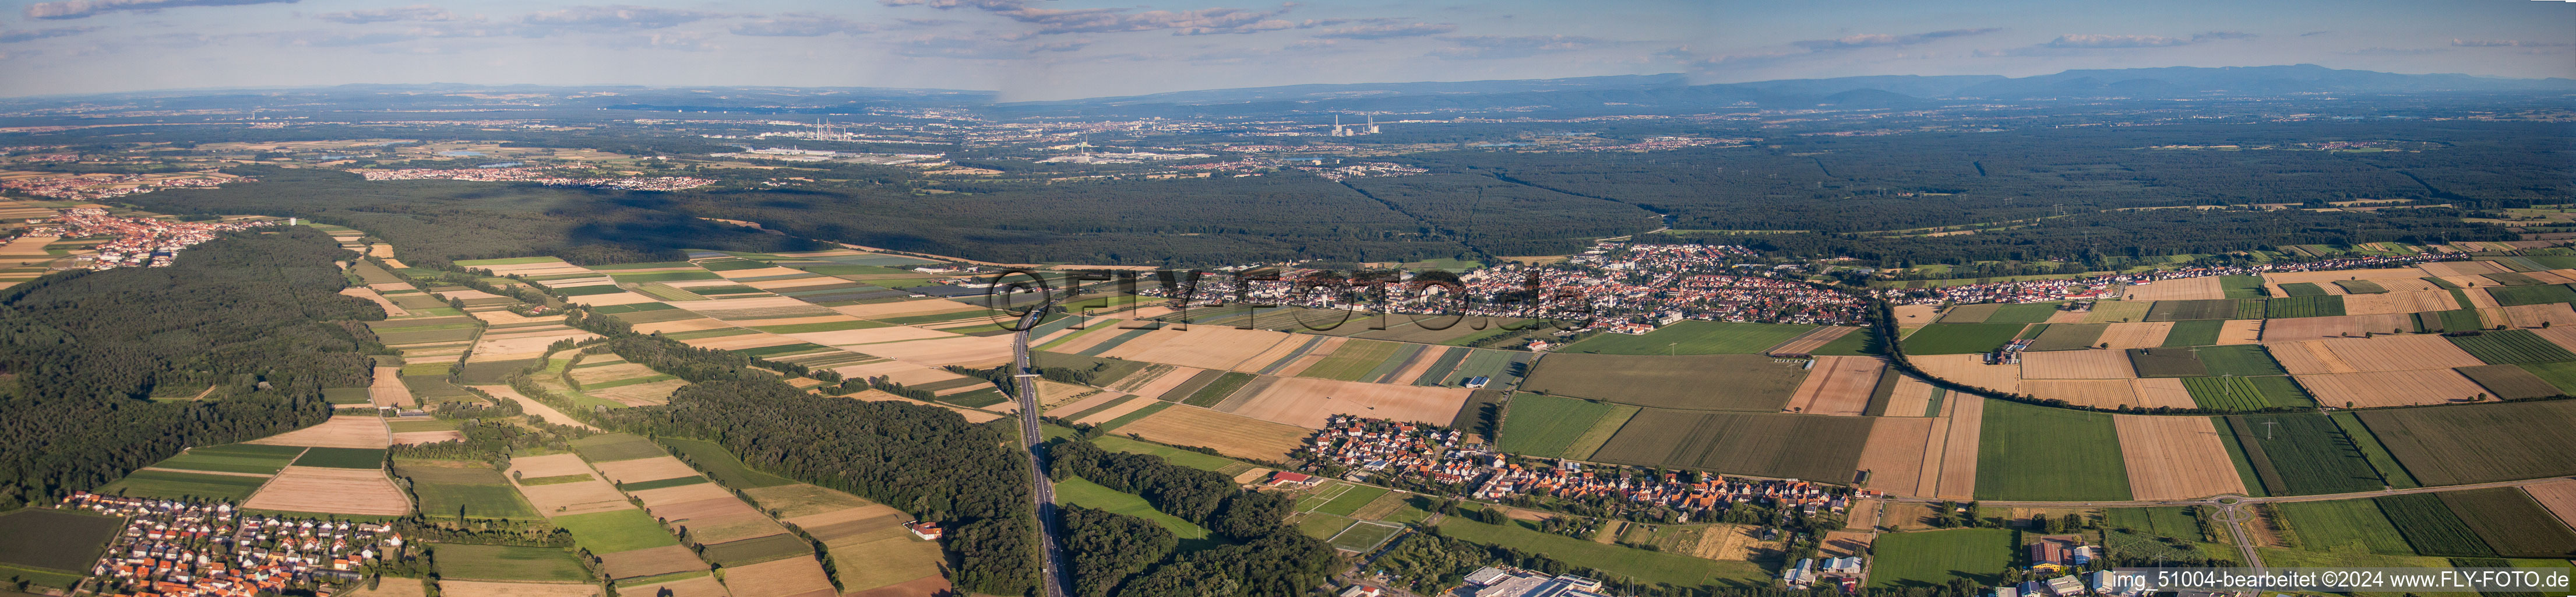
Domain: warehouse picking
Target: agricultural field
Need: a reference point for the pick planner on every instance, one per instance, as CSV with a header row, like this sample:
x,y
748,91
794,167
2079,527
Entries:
x,y
1820,447
2197,332
2163,521
2247,393
183,485
56,544
234,458
2069,336
2510,382
1546,426
2167,362
2206,309
2343,526
1754,382
496,562
2430,527
2303,306
1080,492
464,489
2023,313
1935,558
1692,337
2239,360
2560,374
2175,458
2480,443
2036,453
2511,523
2297,289
2504,347
1960,338
616,530
2303,454
721,464
1637,564
2509,296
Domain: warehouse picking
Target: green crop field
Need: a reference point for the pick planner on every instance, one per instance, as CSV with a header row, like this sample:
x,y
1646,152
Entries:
x,y
2197,332
2239,360
2531,295
1545,426
2205,309
2502,347
1352,360
2511,523
2480,443
2359,287
2166,521
2303,306
2373,451
615,531
2302,289
1976,313
1753,382
2036,453
2241,287
722,464
55,540
2023,313
2512,278
1631,563
649,277
2510,382
2069,336
2343,526
1217,389
1819,447
662,483
177,485
1960,338
1934,558
213,460
612,447
2166,362
1170,454
2561,374
1080,492
1693,337
2430,527
473,501
2303,454
2246,393
2456,320
498,562
758,549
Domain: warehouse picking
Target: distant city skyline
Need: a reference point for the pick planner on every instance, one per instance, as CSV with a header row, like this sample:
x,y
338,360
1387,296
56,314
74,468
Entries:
x,y
1062,49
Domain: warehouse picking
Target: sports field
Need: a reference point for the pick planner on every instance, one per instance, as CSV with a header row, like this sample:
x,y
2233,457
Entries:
x,y
1693,337
1960,338
1935,558
2036,453
1754,382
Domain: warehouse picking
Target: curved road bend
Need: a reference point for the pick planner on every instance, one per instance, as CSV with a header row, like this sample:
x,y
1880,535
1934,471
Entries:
x,y
1050,525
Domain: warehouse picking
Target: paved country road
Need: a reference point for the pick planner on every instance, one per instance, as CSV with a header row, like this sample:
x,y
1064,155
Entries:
x,y
1056,582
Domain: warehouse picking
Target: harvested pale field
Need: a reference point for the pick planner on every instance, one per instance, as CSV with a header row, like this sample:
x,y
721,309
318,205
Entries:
x,y
641,394
964,351
351,430
2563,336
2391,388
2340,326
681,325
906,308
2558,496
482,588
1155,386
1088,403
1205,347
1912,397
2143,334
698,586
740,341
1847,543
2383,353
670,497
362,491
424,437
1306,401
396,287
2406,284
551,465
1957,478
868,512
516,346
1894,454
2067,317
896,371
2077,364
2099,393
2240,331
1421,363
548,413
1837,385
605,373
1113,413
644,469
795,577
611,299
1323,349
897,333
1730,542
391,586
2399,301
762,272
641,563
2478,297
391,309
2184,289
1972,371
559,499
1807,343
2532,316
1230,435
2555,276
387,389
1917,314
2164,391
2174,458
500,317
972,415
467,294
720,521
2445,269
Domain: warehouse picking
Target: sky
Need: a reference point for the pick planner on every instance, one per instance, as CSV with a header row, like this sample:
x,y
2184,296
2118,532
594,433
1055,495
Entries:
x,y
1061,49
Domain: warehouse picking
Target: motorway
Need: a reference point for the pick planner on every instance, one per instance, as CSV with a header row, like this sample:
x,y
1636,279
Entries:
x,y
1057,583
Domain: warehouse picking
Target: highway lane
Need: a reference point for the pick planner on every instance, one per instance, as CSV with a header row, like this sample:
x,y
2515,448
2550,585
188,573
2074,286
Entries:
x,y
1053,577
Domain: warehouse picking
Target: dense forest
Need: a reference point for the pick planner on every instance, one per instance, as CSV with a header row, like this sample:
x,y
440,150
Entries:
x,y
1266,557
2089,239
246,321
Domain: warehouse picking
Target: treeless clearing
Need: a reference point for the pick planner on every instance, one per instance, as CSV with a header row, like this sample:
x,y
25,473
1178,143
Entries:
x,y
2143,334
2185,289
1113,413
387,389
350,430
669,497
964,351
1240,437
604,373
2558,496
478,588
2532,316
2391,388
1808,342
644,469
701,586
2399,301
531,406
895,333
2310,328
1837,385
779,578
391,310
331,490
2076,364
2173,458
1305,402
1894,454
1206,347
1971,370
2240,331
1958,471
648,562
2445,269
1911,399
